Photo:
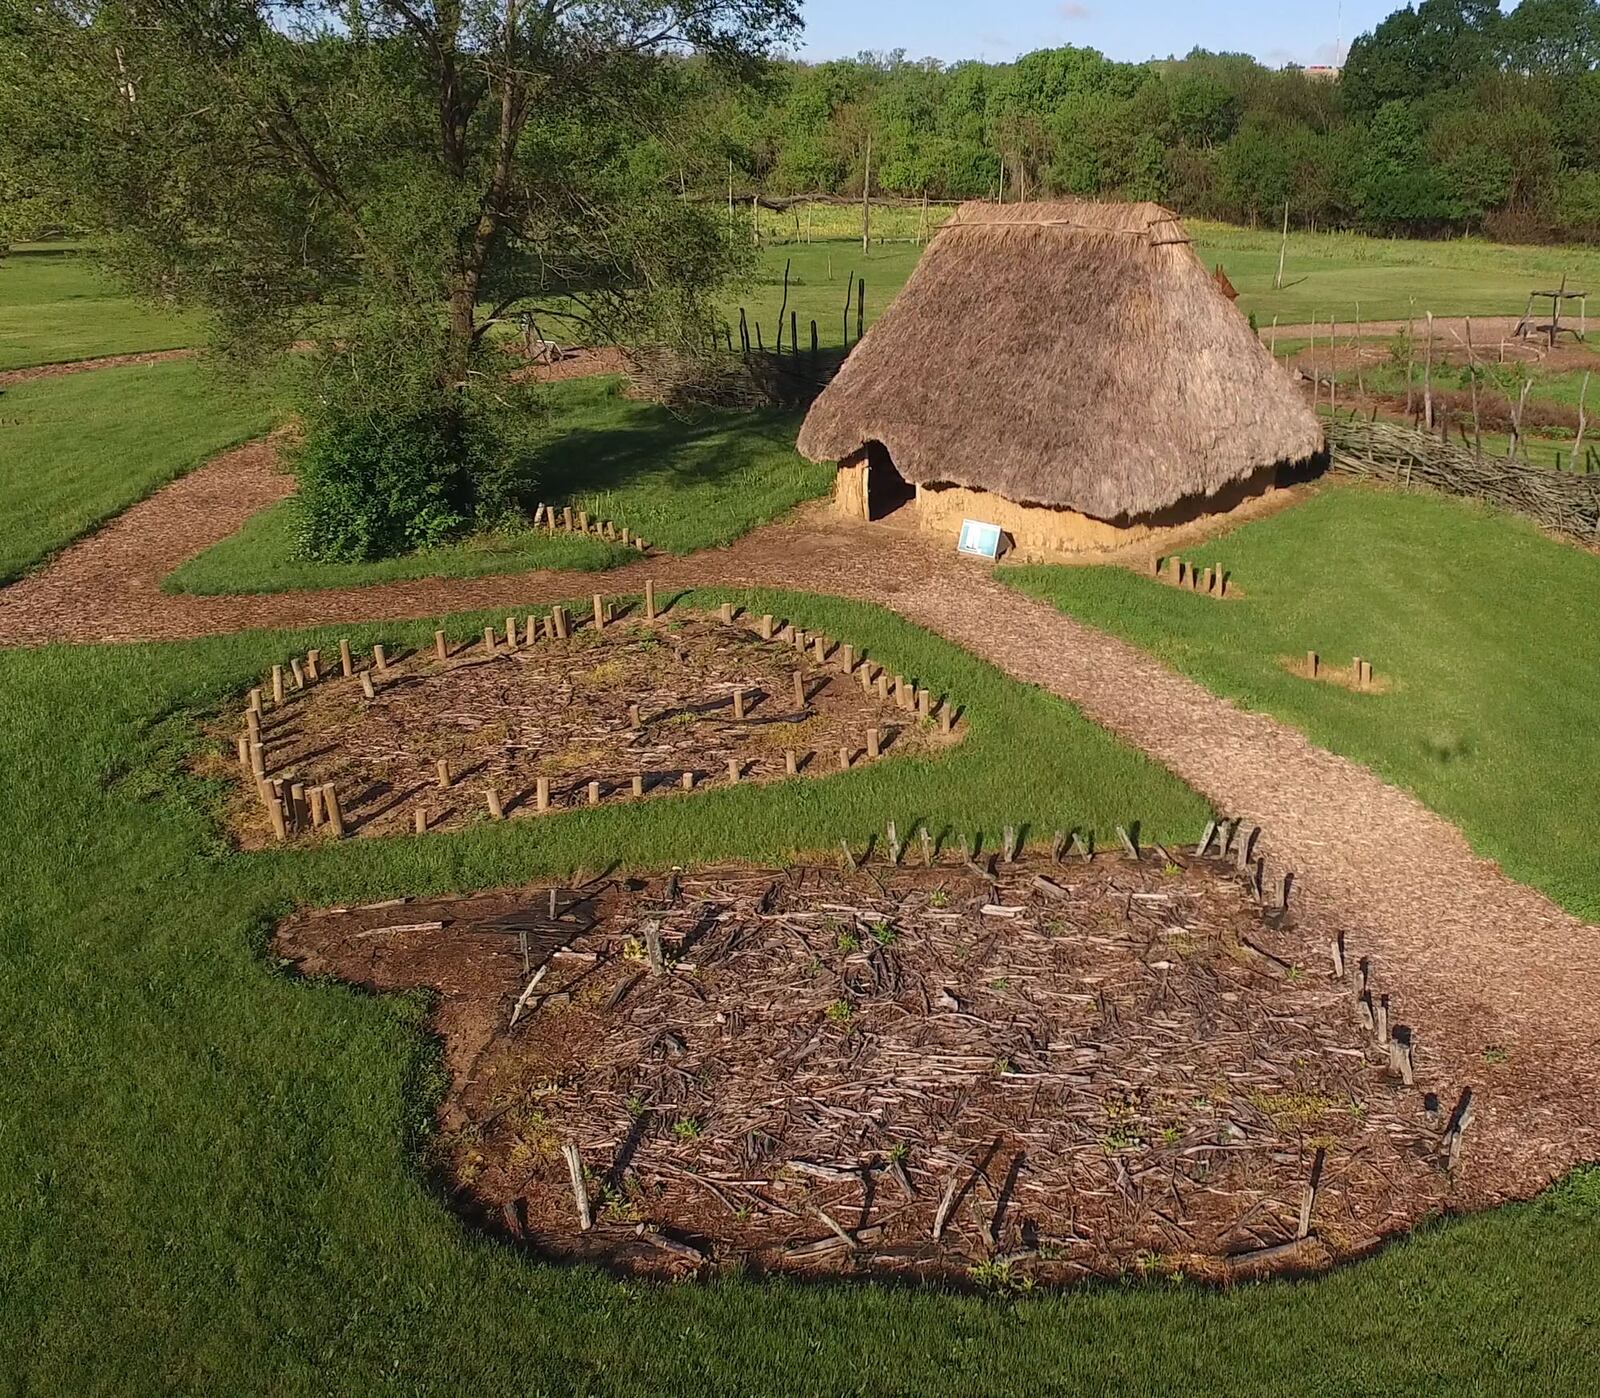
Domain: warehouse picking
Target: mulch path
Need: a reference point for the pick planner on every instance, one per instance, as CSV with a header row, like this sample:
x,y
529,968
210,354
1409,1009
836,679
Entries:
x,y
8,377
634,710
1504,986
1063,1068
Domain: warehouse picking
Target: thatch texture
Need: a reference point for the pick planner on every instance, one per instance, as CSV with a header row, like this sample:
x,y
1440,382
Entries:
x,y
1072,355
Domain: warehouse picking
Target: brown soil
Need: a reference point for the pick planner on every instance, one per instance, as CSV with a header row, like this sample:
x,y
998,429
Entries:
x,y
1127,1066
560,709
574,364
8,377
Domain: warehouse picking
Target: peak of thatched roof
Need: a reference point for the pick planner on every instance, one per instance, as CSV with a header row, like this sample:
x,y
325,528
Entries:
x,y
1069,354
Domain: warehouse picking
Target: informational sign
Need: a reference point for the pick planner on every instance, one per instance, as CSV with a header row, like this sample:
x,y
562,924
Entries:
x,y
979,539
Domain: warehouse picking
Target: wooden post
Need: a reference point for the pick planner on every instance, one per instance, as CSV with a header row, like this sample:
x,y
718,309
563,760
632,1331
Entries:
x,y
313,665
733,770
566,518
725,613
790,765
819,648
687,781
599,612
330,802
1313,661
634,719
883,686
346,665
297,673
1583,423
256,706
924,703
298,815
847,657
558,618
946,718
252,725
317,804
258,760
874,741
379,659
243,746
530,630
766,627
280,830
1283,248
492,797
861,306
541,794
799,689
866,205
1427,379
649,599
844,759
442,771
441,647
638,784
511,633
419,821
1356,670
366,685
594,793
738,701
580,1192
277,684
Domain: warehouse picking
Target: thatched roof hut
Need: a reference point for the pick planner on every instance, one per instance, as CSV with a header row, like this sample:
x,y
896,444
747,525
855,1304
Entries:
x,y
1071,356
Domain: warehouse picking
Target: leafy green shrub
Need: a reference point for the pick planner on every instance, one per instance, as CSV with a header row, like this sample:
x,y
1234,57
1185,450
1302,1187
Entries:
x,y
374,484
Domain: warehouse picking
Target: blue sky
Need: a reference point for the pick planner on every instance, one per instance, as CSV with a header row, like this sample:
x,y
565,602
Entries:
x,y
997,30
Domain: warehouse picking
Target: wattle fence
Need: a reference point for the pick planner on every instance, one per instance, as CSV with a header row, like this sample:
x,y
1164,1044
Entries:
x,y
1387,451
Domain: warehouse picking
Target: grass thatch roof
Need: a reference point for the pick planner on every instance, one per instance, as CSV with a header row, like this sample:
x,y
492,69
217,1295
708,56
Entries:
x,y
1067,354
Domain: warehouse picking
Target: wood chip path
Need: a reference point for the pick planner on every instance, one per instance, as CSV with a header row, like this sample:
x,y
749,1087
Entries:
x,y
1502,986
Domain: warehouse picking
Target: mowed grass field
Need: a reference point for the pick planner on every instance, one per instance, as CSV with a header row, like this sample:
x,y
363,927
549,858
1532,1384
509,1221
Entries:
x,y
1325,274
681,483
1484,629
77,450
216,1175
55,307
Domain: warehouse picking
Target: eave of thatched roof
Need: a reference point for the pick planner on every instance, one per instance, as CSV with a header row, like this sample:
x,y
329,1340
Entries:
x,y
1071,354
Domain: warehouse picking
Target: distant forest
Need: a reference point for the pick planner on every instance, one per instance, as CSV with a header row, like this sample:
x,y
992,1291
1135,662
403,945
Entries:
x,y
1449,118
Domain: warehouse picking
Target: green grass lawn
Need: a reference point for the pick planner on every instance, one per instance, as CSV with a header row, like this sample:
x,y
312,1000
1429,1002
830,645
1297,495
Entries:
x,y
55,306
1324,274
683,484
214,1174
1485,628
75,451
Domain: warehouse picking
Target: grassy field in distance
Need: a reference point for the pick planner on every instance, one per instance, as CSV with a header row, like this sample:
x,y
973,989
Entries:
x,y
75,451
680,483
1470,616
55,306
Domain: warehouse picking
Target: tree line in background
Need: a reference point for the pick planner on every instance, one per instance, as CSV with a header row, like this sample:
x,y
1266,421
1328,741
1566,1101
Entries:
x,y
1450,117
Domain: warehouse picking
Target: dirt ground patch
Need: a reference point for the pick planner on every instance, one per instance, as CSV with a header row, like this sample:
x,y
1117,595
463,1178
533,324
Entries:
x,y
8,377
1020,1071
638,708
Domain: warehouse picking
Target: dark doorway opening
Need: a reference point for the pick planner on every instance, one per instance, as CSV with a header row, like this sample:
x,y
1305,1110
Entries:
x,y
887,489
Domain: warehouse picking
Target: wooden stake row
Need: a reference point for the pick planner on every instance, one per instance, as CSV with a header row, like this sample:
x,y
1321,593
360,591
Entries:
x,y
1213,582
570,521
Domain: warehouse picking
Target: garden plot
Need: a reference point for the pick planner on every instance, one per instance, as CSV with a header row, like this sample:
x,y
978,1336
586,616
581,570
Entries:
x,y
558,716
1013,1071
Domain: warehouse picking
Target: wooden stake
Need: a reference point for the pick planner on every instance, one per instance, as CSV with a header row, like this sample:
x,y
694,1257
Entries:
x,y
638,784
738,702
799,689
733,770
277,684
511,633
844,759
316,800
244,751
558,619
297,672
258,759
874,741
766,627
946,719
687,781
347,666
580,1191
1313,662
819,648
492,797
541,794
924,703
280,830
442,769
599,612
649,600
883,686
330,802
441,647
594,793
255,701
789,764
298,814
634,720
847,657
379,659
490,643
366,685
725,613
419,821
530,630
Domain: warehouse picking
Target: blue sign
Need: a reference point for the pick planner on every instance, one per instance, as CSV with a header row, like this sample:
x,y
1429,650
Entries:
x,y
979,539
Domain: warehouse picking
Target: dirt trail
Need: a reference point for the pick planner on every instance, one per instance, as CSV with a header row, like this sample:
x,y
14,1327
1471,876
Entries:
x,y
1472,959
8,377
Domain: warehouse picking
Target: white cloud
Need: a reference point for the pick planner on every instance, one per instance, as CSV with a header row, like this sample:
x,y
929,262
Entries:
x,y
1073,12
